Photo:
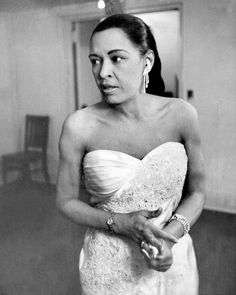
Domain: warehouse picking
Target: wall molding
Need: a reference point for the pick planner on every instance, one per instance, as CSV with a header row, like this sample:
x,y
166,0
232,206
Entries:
x,y
220,209
89,10
79,12
222,203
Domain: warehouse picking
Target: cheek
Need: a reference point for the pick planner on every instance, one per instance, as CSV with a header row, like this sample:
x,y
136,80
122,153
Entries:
x,y
135,71
95,71
133,77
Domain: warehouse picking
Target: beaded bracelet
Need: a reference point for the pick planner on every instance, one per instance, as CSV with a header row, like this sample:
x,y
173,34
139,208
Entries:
x,y
182,219
110,222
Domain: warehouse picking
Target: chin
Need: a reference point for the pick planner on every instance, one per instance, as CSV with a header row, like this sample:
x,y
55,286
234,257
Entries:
x,y
112,100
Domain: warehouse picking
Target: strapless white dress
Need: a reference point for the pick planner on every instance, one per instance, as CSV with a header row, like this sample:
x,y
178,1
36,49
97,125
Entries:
x,y
112,264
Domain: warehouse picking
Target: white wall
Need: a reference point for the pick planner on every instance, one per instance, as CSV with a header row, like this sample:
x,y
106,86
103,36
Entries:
x,y
88,90
210,70
8,101
40,80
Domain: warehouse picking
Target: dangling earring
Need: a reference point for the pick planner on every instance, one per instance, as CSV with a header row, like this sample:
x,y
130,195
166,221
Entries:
x,y
146,77
146,80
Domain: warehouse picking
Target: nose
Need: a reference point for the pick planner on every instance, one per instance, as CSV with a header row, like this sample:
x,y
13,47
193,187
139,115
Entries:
x,y
105,70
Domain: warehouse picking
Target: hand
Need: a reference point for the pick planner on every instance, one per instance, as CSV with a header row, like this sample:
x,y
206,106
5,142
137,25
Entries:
x,y
159,259
136,225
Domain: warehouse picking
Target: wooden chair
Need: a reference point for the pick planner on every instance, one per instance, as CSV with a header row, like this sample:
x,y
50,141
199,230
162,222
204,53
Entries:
x,y
35,150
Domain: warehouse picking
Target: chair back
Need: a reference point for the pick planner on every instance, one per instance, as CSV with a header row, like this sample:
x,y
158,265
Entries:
x,y
36,132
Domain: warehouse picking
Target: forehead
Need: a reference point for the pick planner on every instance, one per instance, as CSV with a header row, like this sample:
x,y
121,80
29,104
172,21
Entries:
x,y
111,39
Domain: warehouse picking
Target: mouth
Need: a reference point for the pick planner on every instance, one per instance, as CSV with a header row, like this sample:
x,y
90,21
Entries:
x,y
108,89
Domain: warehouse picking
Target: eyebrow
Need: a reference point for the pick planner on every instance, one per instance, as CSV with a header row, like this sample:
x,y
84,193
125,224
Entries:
x,y
110,52
115,50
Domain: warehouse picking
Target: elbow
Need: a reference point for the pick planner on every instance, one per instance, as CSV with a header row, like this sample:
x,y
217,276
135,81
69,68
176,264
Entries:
x,y
202,193
60,202
199,192
65,203
202,200
200,197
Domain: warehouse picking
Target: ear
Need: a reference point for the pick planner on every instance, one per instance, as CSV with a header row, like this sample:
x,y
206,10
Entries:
x,y
149,61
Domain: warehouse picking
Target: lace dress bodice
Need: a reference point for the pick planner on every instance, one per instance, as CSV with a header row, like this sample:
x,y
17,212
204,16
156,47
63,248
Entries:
x,y
116,181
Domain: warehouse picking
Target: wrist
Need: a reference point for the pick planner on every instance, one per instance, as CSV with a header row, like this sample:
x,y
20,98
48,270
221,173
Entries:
x,y
182,220
120,223
174,228
110,222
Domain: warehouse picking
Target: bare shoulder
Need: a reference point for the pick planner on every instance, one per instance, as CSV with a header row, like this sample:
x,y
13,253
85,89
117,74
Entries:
x,y
185,111
172,105
75,123
82,120
187,118
77,129
179,111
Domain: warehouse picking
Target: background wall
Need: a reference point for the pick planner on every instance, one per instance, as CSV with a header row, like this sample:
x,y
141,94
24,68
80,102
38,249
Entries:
x,y
87,89
210,70
36,78
8,101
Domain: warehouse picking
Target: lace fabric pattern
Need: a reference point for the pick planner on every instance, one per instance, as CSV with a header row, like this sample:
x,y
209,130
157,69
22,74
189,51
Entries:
x,y
112,264
115,265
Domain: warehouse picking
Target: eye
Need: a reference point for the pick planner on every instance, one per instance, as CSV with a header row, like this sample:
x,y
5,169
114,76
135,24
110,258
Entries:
x,y
116,59
95,61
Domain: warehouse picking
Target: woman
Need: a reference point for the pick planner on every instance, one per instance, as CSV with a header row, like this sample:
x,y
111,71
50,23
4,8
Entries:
x,y
134,149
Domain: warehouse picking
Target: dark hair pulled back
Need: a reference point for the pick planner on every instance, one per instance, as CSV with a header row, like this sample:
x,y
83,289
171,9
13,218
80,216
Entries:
x,y
142,37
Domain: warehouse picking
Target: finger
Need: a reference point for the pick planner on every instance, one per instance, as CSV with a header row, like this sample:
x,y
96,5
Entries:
x,y
164,235
163,268
155,251
160,249
152,263
147,251
152,240
145,254
159,265
154,214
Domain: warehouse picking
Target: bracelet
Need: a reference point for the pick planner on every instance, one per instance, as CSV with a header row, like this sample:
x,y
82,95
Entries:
x,y
110,222
182,219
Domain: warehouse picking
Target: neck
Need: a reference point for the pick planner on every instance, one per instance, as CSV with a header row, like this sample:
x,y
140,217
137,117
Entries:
x,y
132,109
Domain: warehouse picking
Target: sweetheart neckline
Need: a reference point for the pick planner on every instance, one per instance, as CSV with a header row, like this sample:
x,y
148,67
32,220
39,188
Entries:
x,y
128,155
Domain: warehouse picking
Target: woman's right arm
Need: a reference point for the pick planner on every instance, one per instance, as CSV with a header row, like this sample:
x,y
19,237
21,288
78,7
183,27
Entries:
x,y
72,149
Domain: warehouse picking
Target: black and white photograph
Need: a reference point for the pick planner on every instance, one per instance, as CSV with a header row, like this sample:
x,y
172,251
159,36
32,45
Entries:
x,y
117,147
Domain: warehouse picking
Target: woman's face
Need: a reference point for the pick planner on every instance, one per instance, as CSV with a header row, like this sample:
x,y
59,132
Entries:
x,y
117,65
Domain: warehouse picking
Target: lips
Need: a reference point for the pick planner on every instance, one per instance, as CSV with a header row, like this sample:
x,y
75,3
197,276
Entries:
x,y
108,89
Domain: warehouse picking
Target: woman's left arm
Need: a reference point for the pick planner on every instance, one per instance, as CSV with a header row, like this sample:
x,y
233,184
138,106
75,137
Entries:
x,y
193,198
